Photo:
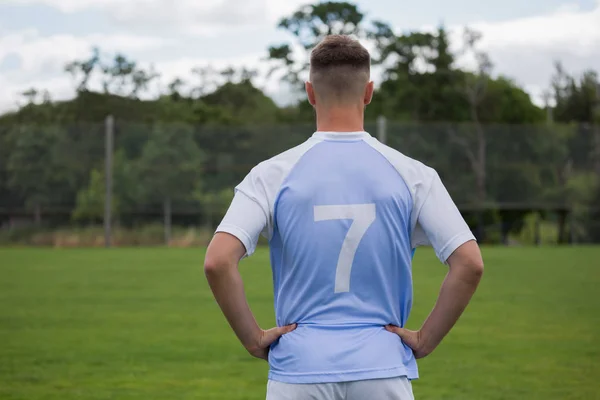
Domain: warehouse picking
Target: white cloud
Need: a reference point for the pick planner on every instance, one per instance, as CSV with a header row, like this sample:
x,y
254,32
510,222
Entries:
x,y
278,8
523,48
39,54
61,87
566,28
526,48
71,6
42,59
182,68
201,17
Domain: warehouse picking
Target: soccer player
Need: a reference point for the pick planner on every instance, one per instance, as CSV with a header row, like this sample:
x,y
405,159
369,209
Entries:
x,y
342,213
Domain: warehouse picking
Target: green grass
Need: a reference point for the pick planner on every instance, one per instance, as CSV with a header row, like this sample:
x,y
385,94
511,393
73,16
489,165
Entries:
x,y
142,324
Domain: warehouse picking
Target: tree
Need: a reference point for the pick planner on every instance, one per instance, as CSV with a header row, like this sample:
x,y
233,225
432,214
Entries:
x,y
169,168
575,99
419,80
118,74
89,206
30,95
214,204
475,91
90,200
309,25
33,168
244,102
37,106
175,89
247,74
421,83
593,220
594,227
81,70
460,122
141,79
207,81
8,196
578,102
228,73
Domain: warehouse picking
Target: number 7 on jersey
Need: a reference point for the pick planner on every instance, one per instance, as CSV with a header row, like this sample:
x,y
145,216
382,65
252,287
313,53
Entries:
x,y
362,216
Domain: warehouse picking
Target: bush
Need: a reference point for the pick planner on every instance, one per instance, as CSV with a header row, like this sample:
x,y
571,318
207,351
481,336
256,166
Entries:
x,y
147,235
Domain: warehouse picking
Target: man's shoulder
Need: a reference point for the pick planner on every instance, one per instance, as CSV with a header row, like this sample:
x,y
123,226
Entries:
x,y
281,164
413,171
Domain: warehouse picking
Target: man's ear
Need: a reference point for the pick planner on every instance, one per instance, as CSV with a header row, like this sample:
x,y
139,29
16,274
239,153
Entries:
x,y
369,93
310,92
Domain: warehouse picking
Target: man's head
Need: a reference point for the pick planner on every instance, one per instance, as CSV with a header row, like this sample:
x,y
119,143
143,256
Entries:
x,y
340,69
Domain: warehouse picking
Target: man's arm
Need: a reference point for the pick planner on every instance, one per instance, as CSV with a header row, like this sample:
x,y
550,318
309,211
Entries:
x,y
237,236
466,269
221,269
455,245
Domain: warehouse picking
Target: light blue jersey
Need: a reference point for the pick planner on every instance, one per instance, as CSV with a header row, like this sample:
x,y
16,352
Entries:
x,y
343,214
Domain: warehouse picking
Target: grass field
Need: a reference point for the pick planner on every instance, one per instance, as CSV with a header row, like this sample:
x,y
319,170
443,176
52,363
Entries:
x,y
142,324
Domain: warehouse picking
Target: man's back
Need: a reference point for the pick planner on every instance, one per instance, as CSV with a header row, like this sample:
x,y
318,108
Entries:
x,y
343,214
342,211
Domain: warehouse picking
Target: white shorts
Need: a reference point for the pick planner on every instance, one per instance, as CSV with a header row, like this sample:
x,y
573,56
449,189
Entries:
x,y
377,389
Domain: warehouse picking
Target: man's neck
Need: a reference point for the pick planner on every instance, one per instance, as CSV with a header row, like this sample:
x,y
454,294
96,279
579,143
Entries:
x,y
340,119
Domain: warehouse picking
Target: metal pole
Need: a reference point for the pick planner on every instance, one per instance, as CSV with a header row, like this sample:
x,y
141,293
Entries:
x,y
572,236
596,130
546,96
382,129
109,133
537,230
167,217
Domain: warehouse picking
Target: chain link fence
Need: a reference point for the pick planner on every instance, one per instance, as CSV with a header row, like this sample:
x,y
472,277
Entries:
x,y
515,184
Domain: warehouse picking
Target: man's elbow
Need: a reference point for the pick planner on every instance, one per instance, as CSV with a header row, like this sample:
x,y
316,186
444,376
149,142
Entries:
x,y
467,262
472,268
214,266
223,255
468,271
476,268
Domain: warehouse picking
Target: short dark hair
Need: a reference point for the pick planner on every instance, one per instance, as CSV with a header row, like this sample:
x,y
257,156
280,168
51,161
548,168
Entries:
x,y
339,66
338,51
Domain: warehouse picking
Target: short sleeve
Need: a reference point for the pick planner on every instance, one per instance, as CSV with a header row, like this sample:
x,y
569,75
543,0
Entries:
x,y
245,220
252,209
439,221
249,213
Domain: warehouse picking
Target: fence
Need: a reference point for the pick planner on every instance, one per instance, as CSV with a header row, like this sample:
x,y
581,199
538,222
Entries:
x,y
529,184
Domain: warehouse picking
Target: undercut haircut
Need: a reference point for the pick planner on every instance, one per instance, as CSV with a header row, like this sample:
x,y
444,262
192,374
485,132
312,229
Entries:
x,y
340,68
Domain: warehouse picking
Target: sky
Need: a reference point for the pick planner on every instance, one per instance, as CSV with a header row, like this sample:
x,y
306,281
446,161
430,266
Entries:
x,y
38,37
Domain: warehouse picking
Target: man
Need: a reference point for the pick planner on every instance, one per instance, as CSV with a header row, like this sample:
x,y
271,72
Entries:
x,y
342,213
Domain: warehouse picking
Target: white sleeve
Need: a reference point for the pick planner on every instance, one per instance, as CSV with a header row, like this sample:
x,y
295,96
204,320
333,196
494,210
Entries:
x,y
249,214
440,221
245,219
251,211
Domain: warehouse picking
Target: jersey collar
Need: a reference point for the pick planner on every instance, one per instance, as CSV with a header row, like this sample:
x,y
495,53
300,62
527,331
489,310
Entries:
x,y
343,136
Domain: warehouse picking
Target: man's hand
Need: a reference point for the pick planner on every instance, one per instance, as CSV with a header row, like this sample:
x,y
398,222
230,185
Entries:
x,y
465,271
260,349
221,268
413,339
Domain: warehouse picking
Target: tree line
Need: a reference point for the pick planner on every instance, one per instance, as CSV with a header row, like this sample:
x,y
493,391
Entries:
x,y
182,151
